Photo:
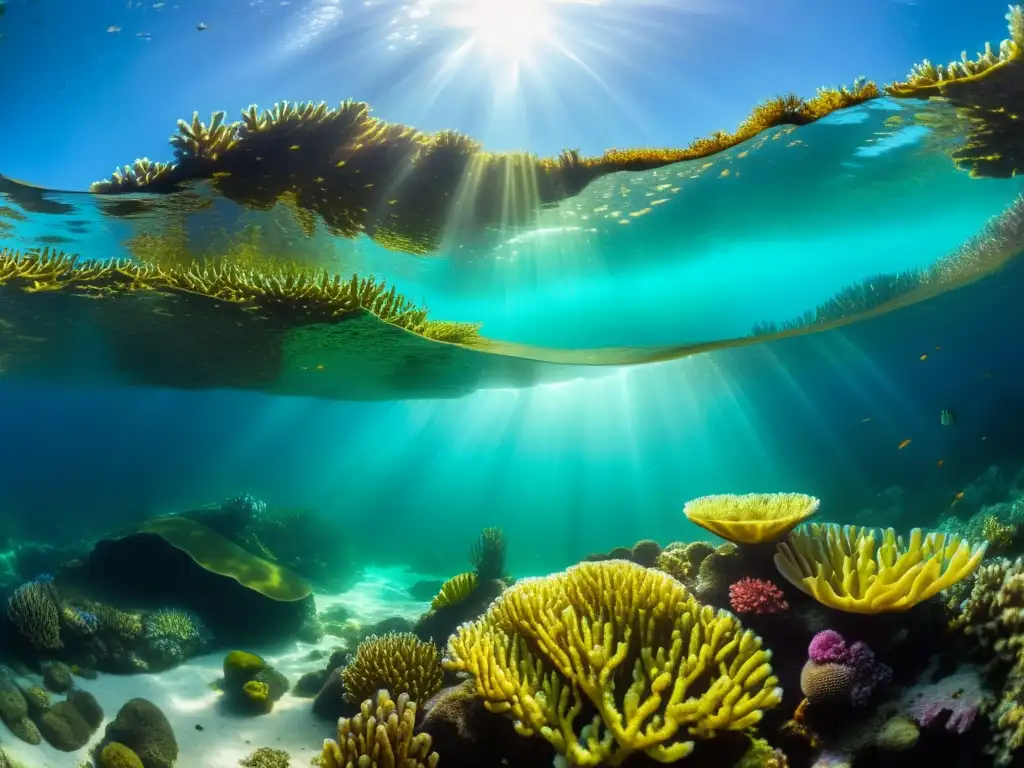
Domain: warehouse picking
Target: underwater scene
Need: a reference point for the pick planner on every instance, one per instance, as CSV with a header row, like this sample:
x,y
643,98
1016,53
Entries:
x,y
431,398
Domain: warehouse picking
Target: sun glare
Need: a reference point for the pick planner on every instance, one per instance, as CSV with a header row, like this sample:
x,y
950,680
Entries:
x,y
505,30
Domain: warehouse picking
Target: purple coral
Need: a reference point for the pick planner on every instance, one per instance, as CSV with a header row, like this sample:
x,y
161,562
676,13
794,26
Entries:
x,y
958,695
863,673
827,645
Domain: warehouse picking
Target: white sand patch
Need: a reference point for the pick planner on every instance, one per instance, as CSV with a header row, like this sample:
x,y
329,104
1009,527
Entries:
x,y
185,696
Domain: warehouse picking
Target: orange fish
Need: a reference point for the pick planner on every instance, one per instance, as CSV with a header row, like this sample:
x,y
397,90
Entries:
x,y
903,445
940,462
923,357
956,497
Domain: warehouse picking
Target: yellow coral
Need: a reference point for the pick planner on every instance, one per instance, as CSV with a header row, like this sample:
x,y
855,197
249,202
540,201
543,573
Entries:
x,y
117,755
999,534
309,291
455,590
751,518
927,79
624,640
380,737
398,661
862,570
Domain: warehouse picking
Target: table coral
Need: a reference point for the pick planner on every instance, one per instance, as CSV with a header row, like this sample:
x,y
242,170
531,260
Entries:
x,y
628,648
751,518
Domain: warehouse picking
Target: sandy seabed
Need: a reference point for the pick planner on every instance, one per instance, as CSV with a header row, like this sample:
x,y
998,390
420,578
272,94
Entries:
x,y
209,737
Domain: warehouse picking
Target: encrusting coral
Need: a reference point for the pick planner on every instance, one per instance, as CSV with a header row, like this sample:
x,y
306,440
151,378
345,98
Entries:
x,y
306,293
380,737
863,570
398,661
751,518
625,649
993,616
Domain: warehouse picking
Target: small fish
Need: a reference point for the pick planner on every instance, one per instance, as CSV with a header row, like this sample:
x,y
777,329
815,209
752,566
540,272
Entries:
x,y
865,421
956,497
200,26
113,30
946,418
923,357
937,348
940,462
319,366
903,445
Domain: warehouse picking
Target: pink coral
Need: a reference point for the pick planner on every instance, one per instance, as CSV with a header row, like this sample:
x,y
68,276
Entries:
x,y
751,595
828,645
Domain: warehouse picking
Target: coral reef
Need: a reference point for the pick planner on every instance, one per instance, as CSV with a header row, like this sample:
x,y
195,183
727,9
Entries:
x,y
1001,239
993,616
399,662
302,293
985,92
237,597
341,165
862,570
380,736
616,643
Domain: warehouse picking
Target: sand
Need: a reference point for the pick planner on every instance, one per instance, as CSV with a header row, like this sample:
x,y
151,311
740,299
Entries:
x,y
185,696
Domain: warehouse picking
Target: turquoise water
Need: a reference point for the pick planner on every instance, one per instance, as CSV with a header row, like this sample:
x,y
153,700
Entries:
x,y
830,311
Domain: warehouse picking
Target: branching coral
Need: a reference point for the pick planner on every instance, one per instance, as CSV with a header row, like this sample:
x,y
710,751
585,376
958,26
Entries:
x,y
398,661
627,648
751,518
34,608
862,570
750,595
179,625
380,737
315,294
